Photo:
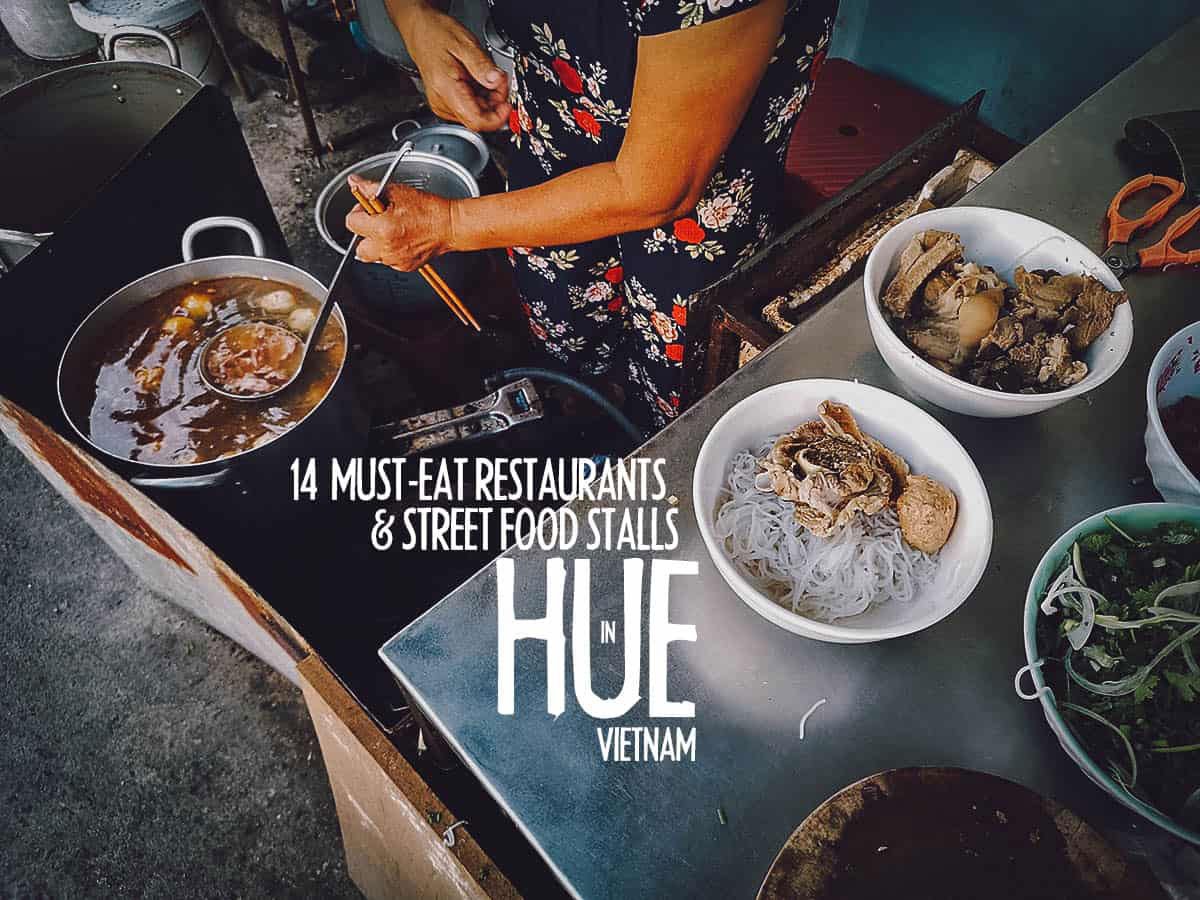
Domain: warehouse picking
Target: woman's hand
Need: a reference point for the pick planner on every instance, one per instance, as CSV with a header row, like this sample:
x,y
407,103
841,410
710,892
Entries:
x,y
415,227
462,83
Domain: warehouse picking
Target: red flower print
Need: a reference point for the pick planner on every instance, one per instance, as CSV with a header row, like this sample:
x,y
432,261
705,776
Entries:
x,y
509,251
538,331
679,314
525,308
569,77
586,121
818,61
514,121
614,275
689,231
615,304
675,352
675,401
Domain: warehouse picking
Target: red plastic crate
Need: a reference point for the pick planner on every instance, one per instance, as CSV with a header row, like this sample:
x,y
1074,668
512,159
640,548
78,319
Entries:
x,y
854,121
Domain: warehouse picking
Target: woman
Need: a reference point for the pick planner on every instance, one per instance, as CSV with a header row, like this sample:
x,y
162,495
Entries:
x,y
649,138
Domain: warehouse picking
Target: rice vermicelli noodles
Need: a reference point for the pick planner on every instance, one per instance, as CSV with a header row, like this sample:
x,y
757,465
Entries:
x,y
865,562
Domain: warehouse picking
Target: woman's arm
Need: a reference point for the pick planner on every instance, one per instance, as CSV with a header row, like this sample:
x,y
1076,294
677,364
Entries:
x,y
690,91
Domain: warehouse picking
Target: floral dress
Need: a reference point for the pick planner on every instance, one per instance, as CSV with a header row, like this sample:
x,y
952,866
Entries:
x,y
620,304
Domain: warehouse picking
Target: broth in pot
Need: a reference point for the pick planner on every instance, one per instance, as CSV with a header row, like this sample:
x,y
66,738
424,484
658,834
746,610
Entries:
x,y
147,400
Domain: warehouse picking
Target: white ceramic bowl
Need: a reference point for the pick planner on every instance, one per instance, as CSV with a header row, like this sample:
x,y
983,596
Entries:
x,y
1002,240
930,450
1175,373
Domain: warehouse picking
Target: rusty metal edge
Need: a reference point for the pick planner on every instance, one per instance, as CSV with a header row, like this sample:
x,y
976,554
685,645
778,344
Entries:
x,y
467,851
101,490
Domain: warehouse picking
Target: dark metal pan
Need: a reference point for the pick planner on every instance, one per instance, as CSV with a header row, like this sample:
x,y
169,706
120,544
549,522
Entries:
x,y
941,833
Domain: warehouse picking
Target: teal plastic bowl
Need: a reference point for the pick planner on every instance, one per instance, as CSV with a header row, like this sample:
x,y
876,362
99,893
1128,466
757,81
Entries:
x,y
1136,518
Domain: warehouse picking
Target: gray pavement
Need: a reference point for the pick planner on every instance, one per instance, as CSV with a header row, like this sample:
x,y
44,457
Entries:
x,y
142,753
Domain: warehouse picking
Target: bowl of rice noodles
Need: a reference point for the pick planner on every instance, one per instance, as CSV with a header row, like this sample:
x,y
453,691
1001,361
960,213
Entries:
x,y
862,581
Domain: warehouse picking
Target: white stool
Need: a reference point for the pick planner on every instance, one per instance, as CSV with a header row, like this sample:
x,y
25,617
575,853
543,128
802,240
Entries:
x,y
138,29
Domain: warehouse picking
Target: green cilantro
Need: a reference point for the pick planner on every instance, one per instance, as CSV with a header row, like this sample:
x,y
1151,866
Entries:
x,y
1187,685
1096,542
1145,690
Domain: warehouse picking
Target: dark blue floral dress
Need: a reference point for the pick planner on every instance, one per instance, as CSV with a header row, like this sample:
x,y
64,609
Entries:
x,y
621,303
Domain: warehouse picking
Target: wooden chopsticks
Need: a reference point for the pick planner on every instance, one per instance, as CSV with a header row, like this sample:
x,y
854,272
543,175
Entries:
x,y
373,206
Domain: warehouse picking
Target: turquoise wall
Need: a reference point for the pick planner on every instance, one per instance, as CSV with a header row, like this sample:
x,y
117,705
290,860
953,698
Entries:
x,y
1037,59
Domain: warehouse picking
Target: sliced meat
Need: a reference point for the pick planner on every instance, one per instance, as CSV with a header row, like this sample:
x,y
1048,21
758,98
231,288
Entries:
x,y
935,339
1058,368
1005,334
253,357
1046,290
838,420
938,284
1091,313
924,255
1026,358
831,471
896,465
927,511
995,374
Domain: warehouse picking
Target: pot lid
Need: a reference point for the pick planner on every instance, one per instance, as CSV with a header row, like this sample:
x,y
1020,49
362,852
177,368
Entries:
x,y
455,142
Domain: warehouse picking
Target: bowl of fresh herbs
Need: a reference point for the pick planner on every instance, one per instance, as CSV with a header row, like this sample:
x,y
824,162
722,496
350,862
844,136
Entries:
x,y
1112,634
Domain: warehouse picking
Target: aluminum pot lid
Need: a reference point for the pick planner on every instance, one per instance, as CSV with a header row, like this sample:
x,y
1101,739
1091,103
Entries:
x,y
455,142
425,171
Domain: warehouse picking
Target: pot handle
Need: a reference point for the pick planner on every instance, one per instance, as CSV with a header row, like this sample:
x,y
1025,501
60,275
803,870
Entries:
x,y
110,39
207,224
181,482
396,128
497,41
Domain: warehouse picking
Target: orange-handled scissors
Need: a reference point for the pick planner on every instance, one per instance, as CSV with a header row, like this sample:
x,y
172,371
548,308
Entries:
x,y
1122,258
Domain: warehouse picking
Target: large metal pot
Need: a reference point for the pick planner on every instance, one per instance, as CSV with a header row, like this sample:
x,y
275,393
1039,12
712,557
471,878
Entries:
x,y
88,120
189,44
386,290
44,29
336,426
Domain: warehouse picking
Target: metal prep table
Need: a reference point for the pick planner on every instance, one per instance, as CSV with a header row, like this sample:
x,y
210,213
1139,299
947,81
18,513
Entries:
x,y
941,697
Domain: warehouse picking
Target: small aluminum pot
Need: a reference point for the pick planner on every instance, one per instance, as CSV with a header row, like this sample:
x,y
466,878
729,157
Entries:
x,y
336,426
448,139
393,293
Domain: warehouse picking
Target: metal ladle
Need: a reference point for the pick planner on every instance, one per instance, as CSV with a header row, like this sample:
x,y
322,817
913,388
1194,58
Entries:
x,y
318,324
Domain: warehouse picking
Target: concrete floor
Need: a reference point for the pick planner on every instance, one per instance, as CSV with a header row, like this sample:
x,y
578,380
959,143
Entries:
x,y
144,754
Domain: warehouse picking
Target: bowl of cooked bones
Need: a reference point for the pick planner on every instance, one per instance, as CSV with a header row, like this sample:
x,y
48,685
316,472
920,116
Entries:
x,y
992,313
